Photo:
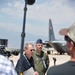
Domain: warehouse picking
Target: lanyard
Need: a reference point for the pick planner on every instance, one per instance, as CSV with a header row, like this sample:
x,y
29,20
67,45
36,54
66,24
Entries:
x,y
27,60
42,59
43,62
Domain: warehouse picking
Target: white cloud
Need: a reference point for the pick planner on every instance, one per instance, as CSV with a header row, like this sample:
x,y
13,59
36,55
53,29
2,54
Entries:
x,y
37,30
56,10
9,4
13,9
59,11
10,27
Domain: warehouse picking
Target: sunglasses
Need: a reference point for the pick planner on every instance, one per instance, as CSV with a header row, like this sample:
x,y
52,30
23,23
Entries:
x,y
32,50
66,38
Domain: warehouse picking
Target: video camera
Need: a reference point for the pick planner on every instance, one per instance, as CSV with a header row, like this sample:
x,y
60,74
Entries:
x,y
3,51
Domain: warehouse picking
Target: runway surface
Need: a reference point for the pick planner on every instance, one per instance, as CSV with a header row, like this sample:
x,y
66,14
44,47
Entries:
x,y
59,59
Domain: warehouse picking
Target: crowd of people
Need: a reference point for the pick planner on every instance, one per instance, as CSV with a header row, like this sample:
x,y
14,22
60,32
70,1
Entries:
x,y
37,61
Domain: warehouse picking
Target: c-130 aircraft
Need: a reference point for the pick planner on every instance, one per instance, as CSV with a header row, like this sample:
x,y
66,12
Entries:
x,y
58,45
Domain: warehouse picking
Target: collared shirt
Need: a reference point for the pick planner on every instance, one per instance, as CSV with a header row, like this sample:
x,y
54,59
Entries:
x,y
26,64
6,67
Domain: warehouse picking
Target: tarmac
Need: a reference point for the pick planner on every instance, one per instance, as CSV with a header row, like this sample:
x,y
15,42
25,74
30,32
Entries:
x,y
59,59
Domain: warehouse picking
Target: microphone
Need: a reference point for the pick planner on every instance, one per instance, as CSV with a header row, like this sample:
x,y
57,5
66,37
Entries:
x,y
30,2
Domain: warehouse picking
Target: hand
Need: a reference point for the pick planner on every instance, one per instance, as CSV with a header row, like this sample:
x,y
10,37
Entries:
x,y
36,73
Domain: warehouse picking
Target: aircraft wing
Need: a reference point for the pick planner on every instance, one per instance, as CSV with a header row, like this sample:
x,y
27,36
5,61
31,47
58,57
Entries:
x,y
59,47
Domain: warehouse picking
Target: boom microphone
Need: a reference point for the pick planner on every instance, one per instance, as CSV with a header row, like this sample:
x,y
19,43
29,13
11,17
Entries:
x,y
30,2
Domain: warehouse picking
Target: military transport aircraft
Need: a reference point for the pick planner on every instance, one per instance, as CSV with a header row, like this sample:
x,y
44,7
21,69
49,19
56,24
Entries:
x,y
59,46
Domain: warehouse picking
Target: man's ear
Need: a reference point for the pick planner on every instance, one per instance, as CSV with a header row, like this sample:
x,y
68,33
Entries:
x,y
72,45
35,45
25,48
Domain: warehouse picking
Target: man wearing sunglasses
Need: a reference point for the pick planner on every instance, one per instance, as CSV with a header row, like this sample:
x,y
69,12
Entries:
x,y
27,60
67,68
41,60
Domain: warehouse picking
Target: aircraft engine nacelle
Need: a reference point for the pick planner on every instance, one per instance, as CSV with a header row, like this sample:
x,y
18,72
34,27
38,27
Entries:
x,y
15,53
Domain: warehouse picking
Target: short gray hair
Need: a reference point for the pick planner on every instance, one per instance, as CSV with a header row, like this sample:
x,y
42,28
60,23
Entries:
x,y
27,44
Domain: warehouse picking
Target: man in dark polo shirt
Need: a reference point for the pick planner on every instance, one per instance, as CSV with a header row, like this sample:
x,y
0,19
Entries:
x,y
27,60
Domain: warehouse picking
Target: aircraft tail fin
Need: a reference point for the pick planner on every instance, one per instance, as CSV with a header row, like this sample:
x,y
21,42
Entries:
x,y
51,31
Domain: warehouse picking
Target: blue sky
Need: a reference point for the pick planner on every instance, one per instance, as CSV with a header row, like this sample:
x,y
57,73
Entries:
x,y
61,12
